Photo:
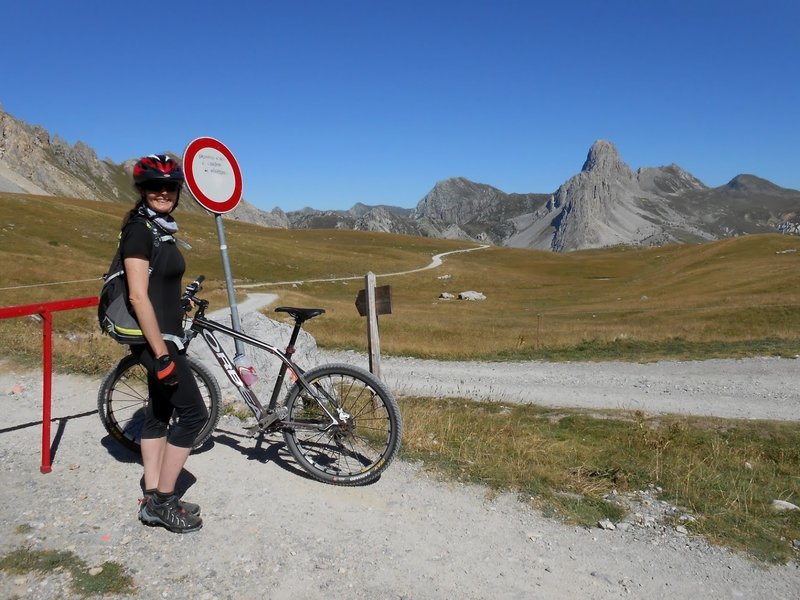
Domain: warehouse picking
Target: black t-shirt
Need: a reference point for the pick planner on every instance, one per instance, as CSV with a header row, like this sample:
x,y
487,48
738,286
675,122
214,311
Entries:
x,y
165,286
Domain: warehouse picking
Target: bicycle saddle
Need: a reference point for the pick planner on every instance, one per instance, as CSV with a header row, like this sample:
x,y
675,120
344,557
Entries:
x,y
301,314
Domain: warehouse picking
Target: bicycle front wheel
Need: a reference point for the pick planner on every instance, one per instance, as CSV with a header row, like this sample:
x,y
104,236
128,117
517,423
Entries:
x,y
354,449
123,396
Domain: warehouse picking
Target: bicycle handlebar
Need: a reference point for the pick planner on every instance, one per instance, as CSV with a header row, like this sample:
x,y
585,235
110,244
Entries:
x,y
188,296
194,287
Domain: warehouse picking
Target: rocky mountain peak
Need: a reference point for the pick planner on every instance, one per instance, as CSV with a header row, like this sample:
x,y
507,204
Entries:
x,y
752,184
457,185
670,179
457,200
603,158
597,207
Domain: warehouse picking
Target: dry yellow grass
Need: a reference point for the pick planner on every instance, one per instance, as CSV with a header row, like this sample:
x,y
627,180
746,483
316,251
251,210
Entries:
x,y
734,290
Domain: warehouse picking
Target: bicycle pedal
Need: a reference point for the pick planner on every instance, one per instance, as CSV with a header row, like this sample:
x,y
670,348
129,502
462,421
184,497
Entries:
x,y
253,430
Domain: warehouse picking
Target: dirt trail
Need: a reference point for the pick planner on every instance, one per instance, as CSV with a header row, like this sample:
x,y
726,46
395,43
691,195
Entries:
x,y
757,388
271,532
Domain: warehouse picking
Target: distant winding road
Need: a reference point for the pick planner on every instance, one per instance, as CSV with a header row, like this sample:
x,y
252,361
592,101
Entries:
x,y
436,261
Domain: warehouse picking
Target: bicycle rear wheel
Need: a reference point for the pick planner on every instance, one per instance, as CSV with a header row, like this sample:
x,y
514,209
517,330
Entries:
x,y
358,449
123,396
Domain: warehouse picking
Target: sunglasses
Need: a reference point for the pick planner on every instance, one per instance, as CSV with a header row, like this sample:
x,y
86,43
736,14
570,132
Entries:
x,y
157,186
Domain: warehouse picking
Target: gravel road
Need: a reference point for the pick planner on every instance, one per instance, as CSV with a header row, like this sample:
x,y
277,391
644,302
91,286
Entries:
x,y
759,388
272,533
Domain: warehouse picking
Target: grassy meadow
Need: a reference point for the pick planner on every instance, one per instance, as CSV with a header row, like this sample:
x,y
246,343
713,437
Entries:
x,y
736,297
733,298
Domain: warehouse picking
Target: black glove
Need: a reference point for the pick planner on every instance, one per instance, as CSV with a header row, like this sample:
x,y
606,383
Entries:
x,y
166,371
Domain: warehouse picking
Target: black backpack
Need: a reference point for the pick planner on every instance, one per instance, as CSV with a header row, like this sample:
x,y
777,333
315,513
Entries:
x,y
114,311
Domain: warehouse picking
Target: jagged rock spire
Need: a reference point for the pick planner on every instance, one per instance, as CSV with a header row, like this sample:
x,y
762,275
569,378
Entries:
x,y
597,207
604,158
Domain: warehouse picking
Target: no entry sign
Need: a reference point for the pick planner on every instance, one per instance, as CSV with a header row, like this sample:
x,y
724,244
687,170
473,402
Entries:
x,y
212,175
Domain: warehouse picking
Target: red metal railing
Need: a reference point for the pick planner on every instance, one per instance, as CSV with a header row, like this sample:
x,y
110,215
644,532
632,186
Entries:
x,y
46,310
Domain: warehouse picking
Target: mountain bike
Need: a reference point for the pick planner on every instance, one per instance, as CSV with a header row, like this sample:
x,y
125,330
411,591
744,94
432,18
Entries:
x,y
340,423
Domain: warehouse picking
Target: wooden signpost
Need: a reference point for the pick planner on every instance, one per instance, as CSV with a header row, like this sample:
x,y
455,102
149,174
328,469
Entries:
x,y
371,302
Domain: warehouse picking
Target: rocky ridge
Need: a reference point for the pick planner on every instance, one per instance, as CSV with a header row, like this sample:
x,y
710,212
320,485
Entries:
x,y
34,162
608,204
605,204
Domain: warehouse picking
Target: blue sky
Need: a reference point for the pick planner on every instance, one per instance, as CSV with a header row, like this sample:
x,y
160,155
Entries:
x,y
326,103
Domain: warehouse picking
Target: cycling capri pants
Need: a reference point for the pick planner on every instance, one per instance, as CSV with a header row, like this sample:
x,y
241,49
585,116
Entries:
x,y
183,399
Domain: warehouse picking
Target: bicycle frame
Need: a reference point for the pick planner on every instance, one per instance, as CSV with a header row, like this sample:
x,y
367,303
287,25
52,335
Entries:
x,y
268,415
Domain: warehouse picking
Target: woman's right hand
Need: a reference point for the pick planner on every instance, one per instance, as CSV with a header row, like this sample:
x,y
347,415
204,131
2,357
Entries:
x,y
165,369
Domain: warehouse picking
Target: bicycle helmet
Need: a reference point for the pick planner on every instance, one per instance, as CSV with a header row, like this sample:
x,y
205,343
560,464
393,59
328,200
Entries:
x,y
157,167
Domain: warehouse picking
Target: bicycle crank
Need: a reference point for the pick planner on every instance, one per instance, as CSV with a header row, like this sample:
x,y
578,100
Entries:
x,y
269,419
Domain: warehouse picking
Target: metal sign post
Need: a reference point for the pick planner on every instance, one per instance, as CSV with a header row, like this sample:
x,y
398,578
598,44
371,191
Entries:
x,y
215,180
226,268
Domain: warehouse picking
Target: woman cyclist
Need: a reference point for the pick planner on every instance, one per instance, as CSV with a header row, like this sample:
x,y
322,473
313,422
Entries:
x,y
154,267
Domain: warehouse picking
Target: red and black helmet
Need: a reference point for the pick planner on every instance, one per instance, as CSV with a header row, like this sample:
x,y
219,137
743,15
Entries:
x,y
156,167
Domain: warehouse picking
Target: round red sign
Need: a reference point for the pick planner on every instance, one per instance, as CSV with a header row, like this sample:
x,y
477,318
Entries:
x,y
212,175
